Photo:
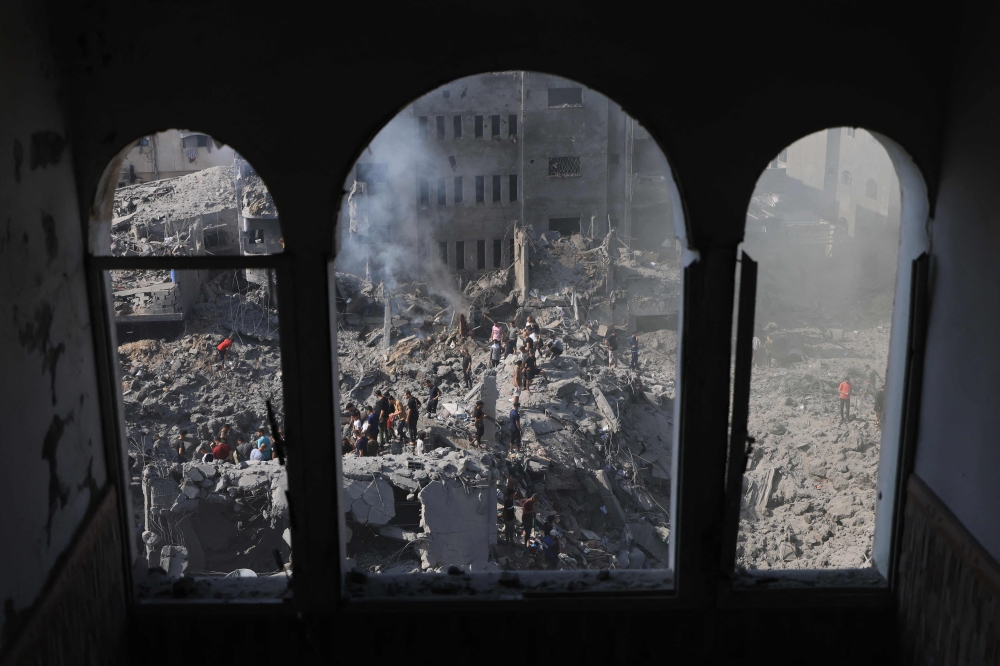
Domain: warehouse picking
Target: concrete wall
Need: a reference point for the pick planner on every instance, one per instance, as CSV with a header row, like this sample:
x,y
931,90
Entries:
x,y
957,452
168,150
54,462
575,131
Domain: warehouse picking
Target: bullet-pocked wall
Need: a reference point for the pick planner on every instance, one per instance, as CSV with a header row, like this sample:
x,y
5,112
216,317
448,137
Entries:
x,y
51,415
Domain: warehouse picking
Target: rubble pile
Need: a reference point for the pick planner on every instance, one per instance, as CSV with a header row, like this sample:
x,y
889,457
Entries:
x,y
141,211
214,518
597,442
809,491
256,199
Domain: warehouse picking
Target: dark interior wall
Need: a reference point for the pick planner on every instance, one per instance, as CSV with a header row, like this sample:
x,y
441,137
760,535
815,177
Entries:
x,y
707,94
957,453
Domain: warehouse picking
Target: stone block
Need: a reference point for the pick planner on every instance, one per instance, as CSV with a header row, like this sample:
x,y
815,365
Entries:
x,y
194,474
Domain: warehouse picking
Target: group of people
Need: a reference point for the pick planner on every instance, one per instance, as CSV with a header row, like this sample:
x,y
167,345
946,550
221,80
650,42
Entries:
x,y
878,395
550,545
225,447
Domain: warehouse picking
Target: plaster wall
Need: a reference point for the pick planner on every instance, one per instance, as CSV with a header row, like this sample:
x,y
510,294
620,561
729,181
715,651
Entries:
x,y
170,158
957,451
50,416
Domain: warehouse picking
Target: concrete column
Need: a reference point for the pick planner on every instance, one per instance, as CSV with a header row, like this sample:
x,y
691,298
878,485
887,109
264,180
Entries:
x,y
489,396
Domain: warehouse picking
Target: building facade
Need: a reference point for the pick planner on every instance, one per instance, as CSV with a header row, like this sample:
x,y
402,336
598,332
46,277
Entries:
x,y
172,153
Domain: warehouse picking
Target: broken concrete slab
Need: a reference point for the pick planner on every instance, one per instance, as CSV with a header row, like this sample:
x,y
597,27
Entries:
x,y
460,524
652,539
370,502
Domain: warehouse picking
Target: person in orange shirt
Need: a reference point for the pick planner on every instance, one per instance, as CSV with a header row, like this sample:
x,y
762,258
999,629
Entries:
x,y
223,348
845,399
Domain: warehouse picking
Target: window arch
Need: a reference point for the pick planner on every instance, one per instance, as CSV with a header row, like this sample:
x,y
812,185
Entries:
x,y
871,189
452,271
184,241
794,272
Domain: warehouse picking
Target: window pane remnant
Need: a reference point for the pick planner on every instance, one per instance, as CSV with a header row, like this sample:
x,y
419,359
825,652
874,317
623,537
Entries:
x,y
824,302
199,356
564,167
565,97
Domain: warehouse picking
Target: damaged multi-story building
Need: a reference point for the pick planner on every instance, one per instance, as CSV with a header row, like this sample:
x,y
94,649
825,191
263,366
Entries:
x,y
442,188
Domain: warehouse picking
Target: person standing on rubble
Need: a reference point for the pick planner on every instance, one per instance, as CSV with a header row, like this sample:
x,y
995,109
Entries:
x,y
496,333
223,349
519,383
509,346
531,363
515,427
371,430
633,347
361,446
768,349
433,393
550,549
509,515
467,368
182,456
528,517
412,415
871,380
845,399
479,419
495,351
382,410
611,342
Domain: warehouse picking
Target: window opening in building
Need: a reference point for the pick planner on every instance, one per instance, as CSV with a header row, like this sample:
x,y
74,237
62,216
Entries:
x,y
458,126
442,194
422,127
821,332
373,175
495,121
850,131
424,187
845,177
481,255
565,97
604,483
439,122
566,226
197,358
564,167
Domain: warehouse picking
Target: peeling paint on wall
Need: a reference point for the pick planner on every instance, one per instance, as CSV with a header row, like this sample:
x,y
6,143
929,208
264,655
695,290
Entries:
x,y
46,149
58,492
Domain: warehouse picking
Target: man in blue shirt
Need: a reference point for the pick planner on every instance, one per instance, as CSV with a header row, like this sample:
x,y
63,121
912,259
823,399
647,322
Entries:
x,y
361,446
372,430
515,427
633,346
263,444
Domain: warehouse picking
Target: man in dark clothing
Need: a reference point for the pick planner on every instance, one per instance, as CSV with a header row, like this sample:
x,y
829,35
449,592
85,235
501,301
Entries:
x,y
361,446
495,351
515,427
871,379
412,415
509,516
433,393
509,346
528,517
467,367
612,344
382,411
479,419
551,548
532,365
633,347
243,448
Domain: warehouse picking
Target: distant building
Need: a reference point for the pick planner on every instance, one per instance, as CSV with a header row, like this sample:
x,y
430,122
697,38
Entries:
x,y
172,153
441,187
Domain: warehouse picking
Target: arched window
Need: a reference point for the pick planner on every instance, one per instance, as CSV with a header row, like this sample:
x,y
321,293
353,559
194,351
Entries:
x,y
814,371
183,238
871,189
552,269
